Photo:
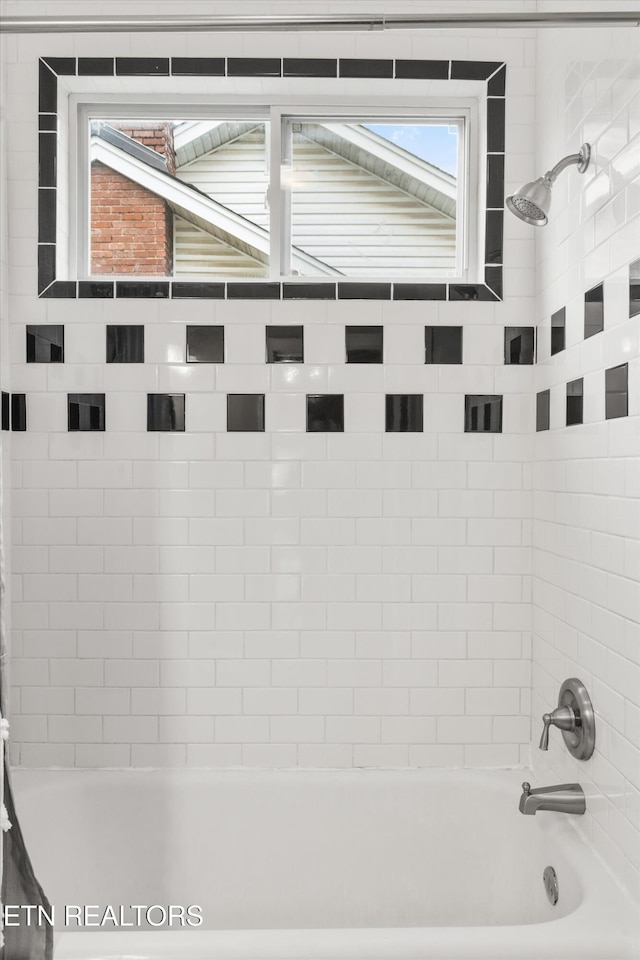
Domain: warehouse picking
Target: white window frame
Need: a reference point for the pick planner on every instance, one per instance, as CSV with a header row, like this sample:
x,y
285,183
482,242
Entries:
x,y
280,112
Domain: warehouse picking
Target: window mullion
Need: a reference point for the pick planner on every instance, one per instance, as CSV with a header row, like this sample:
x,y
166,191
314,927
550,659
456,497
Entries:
x,y
286,160
462,201
275,194
79,175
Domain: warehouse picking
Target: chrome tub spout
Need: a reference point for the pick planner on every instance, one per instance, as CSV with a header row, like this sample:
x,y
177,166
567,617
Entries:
x,y
563,798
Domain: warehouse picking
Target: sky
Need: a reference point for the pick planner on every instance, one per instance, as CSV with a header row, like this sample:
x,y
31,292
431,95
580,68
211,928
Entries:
x,y
436,144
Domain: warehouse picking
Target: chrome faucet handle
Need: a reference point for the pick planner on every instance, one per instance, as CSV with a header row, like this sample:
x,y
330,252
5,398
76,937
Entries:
x,y
562,717
526,788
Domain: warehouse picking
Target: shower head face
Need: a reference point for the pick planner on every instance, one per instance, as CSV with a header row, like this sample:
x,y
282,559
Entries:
x,y
532,202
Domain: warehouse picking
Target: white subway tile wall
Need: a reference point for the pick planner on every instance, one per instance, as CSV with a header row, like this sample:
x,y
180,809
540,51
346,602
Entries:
x,y
277,598
586,527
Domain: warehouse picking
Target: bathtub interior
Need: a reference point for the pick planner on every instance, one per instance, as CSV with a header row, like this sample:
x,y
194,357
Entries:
x,y
299,850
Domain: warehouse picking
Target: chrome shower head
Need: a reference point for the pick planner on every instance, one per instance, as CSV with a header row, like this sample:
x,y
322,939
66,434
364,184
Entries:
x,y
533,201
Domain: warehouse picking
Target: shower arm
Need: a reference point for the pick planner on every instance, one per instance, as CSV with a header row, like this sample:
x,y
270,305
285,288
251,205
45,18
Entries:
x,y
581,159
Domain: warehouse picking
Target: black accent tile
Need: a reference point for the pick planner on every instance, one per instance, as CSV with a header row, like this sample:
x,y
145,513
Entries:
x,y
18,412
495,126
313,67
495,180
197,66
482,413
594,311
125,344
96,66
245,412
254,67
558,331
404,412
85,412
253,291
165,412
47,90
364,291
47,122
519,345
284,344
142,66
443,344
60,290
419,291
543,409
45,343
47,153
47,216
325,413
6,411
422,69
205,344
364,344
147,289
616,384
634,288
62,66
308,291
366,68
197,290
473,69
467,291
496,86
96,289
493,280
575,402
46,265
493,236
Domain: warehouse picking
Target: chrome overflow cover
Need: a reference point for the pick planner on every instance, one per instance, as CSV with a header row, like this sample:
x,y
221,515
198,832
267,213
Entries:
x,y
550,880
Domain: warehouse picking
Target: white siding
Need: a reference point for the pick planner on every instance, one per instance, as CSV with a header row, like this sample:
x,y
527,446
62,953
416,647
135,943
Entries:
x,y
349,218
235,175
196,253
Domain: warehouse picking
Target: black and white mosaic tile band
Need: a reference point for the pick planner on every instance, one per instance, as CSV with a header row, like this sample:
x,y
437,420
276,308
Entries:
x,y
492,73
325,413
205,343
363,344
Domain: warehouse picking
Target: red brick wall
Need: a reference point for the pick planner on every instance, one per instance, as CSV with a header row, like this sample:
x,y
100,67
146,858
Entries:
x,y
131,228
157,136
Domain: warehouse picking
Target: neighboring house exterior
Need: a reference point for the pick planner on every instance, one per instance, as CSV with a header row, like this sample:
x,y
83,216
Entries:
x,y
360,206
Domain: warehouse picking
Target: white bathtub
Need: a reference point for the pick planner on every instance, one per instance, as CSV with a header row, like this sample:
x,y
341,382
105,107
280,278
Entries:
x,y
369,865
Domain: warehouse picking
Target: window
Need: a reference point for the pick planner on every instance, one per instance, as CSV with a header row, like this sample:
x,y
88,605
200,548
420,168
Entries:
x,y
262,194
359,179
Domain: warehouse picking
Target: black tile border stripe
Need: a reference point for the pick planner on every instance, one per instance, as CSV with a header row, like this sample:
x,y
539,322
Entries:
x,y
198,290
362,67
254,66
422,70
61,66
474,69
267,290
96,66
198,66
400,68
318,67
493,73
142,66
